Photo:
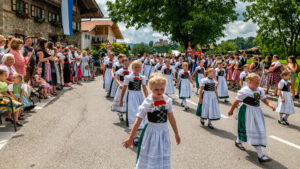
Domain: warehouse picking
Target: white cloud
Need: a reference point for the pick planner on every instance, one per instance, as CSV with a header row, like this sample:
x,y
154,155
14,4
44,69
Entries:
x,y
146,34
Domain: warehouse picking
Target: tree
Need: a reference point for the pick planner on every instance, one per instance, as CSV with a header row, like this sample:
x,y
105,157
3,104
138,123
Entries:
x,y
243,43
139,49
201,22
151,43
226,46
279,25
117,48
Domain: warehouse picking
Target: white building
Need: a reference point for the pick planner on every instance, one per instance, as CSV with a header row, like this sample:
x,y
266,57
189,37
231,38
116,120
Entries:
x,y
96,32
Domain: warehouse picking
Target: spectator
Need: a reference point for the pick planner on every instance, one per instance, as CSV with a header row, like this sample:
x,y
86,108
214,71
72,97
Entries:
x,y
27,49
2,47
20,61
8,60
274,75
292,67
8,42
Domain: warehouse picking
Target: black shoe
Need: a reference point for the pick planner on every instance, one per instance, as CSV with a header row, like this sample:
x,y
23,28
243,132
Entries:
x,y
210,126
281,122
202,121
21,118
186,108
226,101
286,122
121,117
181,104
19,124
264,159
8,119
136,141
240,146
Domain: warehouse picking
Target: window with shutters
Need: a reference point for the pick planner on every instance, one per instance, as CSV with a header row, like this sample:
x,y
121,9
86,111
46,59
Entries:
x,y
21,8
38,14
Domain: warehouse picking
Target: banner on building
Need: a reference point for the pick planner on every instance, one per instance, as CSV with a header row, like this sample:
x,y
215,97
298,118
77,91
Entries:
x,y
67,13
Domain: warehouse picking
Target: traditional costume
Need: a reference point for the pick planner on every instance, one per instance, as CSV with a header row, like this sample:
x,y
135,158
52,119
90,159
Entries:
x,y
199,75
185,90
274,77
222,85
107,76
114,85
154,148
147,66
243,76
168,72
288,106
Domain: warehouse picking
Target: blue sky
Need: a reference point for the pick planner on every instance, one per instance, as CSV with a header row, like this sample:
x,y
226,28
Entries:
x,y
235,29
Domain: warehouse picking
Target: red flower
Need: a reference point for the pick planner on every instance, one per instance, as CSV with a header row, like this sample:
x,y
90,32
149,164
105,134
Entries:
x,y
125,72
202,68
110,63
136,79
186,73
160,102
167,69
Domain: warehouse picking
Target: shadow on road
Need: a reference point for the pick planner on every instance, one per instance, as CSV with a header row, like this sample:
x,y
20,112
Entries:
x,y
291,126
127,130
220,133
252,157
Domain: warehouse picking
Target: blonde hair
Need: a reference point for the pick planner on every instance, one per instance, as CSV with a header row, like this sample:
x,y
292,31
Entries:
x,y
136,63
246,65
17,75
157,78
209,70
185,63
285,73
84,53
252,77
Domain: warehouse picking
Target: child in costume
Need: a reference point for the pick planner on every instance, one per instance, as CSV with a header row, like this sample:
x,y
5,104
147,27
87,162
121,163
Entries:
x,y
178,66
120,76
107,75
208,106
40,82
147,66
134,82
154,151
222,85
285,105
116,66
159,65
78,70
251,123
184,79
243,75
199,72
16,90
169,74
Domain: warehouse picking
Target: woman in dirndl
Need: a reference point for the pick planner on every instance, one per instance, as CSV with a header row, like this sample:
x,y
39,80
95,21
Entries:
x,y
199,73
114,86
154,150
169,74
85,66
108,65
255,66
265,74
208,106
285,104
147,67
184,85
237,71
251,123
222,85
274,74
134,83
120,76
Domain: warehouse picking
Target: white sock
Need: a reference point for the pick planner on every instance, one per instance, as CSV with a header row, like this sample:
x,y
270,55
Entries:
x,y
209,121
259,151
280,116
238,140
286,117
197,91
184,102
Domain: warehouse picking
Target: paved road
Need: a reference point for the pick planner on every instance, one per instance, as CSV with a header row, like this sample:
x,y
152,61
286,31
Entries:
x,y
78,130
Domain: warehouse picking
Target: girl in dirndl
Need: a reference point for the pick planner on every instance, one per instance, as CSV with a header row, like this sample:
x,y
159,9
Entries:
x,y
134,83
173,62
274,74
285,104
251,123
153,63
230,69
116,66
222,85
86,73
107,76
154,150
159,65
147,67
236,73
265,74
169,74
243,76
184,86
208,106
77,68
199,73
120,76
178,66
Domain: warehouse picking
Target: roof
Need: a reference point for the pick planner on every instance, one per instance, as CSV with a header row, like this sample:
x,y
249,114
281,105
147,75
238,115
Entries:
x,y
87,26
89,9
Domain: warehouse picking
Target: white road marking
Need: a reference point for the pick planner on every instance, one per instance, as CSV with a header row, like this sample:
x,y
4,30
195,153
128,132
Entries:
x,y
195,104
285,142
